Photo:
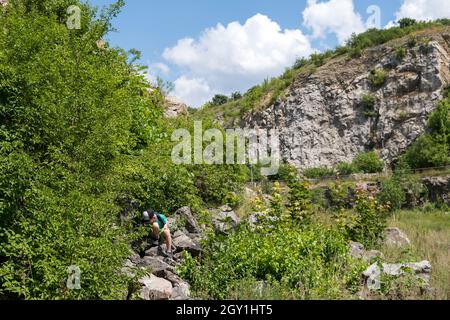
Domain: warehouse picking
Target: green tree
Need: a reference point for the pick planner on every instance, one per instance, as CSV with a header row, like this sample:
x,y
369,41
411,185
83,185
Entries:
x,y
406,22
219,99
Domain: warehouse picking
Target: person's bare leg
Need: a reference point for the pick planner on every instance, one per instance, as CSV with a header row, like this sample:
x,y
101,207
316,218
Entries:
x,y
156,230
168,239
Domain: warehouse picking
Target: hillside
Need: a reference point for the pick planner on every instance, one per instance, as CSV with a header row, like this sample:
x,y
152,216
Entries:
x,y
377,99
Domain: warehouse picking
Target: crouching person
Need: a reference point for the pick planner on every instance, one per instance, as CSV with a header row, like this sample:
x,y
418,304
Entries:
x,y
160,230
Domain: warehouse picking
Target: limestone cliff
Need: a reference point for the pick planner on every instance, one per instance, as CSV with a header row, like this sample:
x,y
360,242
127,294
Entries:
x,y
322,119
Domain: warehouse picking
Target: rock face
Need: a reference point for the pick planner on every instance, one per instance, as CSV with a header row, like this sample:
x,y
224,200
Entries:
x,y
174,107
323,121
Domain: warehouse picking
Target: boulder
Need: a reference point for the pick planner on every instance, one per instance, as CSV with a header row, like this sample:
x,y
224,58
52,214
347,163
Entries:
x,y
155,264
357,250
152,252
396,237
181,289
372,277
184,243
190,222
181,292
420,269
372,254
224,219
372,274
154,288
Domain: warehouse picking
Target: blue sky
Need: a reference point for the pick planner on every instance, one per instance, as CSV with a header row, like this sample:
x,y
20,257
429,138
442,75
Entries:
x,y
236,57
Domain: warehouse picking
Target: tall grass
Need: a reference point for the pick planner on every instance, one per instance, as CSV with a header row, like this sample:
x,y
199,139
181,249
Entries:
x,y
429,233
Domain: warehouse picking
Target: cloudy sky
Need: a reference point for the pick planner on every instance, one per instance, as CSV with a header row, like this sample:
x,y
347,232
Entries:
x,y
207,47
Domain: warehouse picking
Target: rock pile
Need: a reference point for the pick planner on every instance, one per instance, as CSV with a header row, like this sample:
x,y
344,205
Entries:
x,y
161,281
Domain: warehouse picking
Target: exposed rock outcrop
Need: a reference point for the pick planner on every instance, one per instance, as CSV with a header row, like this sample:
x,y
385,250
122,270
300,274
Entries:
x,y
322,121
174,107
438,189
224,219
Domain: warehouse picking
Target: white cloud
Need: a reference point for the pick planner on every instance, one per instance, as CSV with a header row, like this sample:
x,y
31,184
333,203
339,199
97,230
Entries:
x,y
235,57
334,16
424,9
194,92
160,67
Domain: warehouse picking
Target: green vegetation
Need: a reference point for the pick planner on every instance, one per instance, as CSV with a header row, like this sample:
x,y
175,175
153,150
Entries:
x,y
81,137
429,235
377,77
318,173
368,103
346,169
432,148
296,254
368,162
400,53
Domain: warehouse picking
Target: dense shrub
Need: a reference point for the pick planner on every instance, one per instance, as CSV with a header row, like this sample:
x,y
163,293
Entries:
x,y
299,201
427,152
312,262
406,22
81,137
392,194
400,53
432,149
368,162
346,169
368,103
377,77
318,173
366,224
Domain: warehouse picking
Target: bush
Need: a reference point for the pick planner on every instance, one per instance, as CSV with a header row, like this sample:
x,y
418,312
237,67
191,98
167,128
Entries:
x,y
312,262
400,53
219,99
318,173
368,103
406,22
392,194
377,77
367,223
346,169
368,163
299,201
427,152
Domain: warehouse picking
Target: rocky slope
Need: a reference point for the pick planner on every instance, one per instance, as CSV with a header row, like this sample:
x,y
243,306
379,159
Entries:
x,y
322,120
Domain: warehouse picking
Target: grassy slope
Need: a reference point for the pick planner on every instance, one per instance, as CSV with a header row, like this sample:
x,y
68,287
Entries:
x,y
429,233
